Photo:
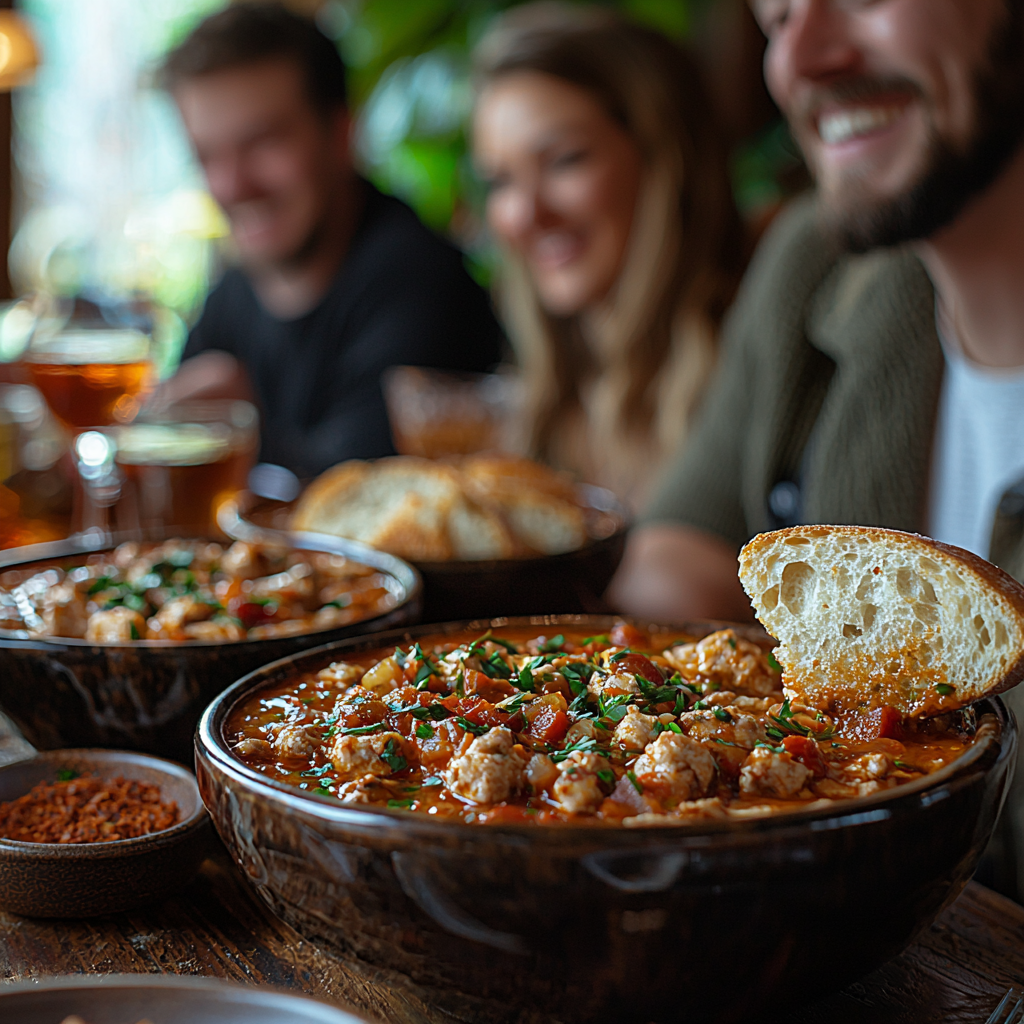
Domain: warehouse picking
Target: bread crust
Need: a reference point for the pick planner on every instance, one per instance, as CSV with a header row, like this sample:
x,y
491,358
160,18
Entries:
x,y
438,511
991,576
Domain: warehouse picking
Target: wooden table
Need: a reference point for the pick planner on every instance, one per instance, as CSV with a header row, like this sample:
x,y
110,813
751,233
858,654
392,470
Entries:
x,y
956,972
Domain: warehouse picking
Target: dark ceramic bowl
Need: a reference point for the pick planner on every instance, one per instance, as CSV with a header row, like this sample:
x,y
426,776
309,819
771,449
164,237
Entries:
x,y
148,695
587,923
571,582
86,879
125,998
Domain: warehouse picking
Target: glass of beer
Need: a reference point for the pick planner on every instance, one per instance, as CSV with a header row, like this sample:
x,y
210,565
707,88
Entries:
x,y
180,465
437,413
92,377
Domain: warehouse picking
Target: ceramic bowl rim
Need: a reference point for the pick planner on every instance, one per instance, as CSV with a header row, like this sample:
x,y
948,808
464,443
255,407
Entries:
x,y
192,982
113,848
996,728
406,575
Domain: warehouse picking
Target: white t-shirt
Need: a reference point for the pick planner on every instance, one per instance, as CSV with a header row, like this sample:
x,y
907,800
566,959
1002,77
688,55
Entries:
x,y
979,448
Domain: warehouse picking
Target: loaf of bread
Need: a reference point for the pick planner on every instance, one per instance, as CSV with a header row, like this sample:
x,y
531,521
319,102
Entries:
x,y
869,618
484,507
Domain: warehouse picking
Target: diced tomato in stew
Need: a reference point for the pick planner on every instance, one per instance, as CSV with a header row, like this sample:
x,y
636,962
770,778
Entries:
x,y
550,726
806,751
638,665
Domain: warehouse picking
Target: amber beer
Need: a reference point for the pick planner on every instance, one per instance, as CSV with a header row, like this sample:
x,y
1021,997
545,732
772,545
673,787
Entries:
x,y
92,378
179,473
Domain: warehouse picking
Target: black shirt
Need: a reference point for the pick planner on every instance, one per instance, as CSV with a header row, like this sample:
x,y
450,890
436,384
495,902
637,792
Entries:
x,y
401,297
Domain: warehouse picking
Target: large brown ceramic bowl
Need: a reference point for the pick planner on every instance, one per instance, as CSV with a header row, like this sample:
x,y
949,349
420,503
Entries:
x,y
571,582
148,695
584,923
86,879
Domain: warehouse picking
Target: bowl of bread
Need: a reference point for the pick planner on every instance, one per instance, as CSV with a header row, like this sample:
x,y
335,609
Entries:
x,y
870,794
490,534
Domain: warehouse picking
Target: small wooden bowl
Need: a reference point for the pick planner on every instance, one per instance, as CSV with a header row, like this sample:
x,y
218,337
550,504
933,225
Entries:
x,y
87,879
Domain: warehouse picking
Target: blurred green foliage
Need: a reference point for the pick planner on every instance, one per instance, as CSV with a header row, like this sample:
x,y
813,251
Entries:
x,y
408,66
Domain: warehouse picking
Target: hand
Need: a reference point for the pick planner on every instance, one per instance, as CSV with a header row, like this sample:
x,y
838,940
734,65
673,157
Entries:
x,y
211,374
673,573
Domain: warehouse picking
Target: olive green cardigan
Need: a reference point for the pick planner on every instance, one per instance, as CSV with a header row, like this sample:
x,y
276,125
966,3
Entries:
x,y
830,373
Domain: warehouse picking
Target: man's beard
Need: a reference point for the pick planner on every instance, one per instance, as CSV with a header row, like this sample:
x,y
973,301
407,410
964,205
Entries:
x,y
953,174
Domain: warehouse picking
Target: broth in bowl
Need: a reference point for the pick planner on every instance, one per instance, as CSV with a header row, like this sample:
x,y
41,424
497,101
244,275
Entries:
x,y
624,728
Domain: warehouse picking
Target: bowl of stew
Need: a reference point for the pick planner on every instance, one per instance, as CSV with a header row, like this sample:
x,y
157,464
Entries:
x,y
588,819
121,642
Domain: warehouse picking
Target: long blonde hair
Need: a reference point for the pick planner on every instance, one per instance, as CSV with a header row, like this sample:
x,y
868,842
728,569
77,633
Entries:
x,y
682,264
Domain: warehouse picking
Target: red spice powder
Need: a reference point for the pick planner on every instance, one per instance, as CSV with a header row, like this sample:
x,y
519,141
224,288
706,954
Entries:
x,y
86,810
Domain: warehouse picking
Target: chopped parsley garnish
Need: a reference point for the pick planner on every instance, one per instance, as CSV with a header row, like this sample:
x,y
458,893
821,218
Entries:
x,y
496,667
579,707
556,643
391,756
607,776
525,680
943,689
653,693
674,727
477,645
423,674
631,775
400,805
424,731
785,722
67,774
601,638
585,745
460,684
514,703
322,790
624,653
316,772
773,663
507,644
361,730
722,715
768,746
613,708
436,712
732,643
476,730
577,674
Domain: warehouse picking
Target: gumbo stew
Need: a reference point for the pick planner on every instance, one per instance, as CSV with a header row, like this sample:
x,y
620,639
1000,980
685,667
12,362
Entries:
x,y
621,728
191,590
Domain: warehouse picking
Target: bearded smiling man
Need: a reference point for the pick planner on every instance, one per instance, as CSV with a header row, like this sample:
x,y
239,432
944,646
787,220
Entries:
x,y
873,368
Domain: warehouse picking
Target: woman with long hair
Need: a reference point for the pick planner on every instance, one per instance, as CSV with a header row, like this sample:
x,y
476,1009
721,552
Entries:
x,y
609,195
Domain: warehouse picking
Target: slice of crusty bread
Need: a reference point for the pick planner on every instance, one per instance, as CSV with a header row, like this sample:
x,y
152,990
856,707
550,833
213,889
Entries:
x,y
869,617
412,507
539,504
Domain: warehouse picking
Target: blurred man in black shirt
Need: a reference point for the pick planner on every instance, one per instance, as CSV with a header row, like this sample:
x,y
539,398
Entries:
x,y
336,281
